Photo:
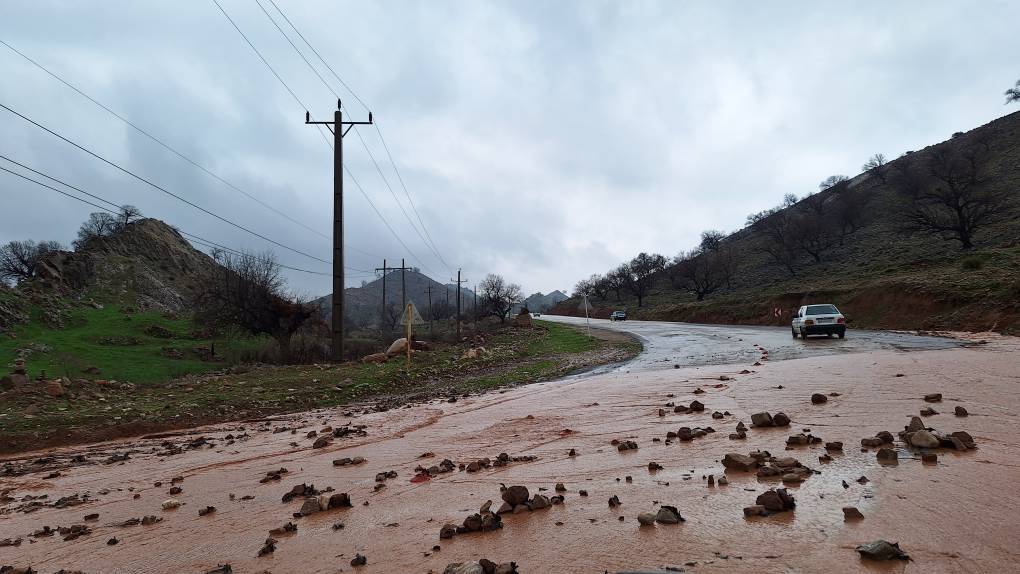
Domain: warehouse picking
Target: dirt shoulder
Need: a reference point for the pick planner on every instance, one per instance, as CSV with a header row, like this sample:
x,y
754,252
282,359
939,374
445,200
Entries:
x,y
509,357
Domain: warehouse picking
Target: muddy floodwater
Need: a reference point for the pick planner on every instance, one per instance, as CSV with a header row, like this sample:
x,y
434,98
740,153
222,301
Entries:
x,y
959,514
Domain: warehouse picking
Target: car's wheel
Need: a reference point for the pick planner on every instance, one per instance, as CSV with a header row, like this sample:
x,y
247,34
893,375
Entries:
x,y
794,332
842,334
803,333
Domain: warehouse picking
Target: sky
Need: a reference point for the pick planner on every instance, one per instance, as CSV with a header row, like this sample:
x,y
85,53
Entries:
x,y
543,141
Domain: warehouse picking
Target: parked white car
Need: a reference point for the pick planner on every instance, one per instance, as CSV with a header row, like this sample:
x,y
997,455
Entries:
x,y
818,320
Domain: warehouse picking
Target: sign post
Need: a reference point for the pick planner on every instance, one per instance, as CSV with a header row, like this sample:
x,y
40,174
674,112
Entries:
x,y
410,317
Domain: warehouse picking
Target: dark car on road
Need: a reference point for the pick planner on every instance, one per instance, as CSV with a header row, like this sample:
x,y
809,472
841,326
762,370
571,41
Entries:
x,y
618,316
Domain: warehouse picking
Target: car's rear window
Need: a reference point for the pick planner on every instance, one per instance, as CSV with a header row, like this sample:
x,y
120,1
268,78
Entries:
x,y
822,310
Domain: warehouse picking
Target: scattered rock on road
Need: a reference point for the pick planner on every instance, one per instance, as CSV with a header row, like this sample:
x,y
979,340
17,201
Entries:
x,y
882,550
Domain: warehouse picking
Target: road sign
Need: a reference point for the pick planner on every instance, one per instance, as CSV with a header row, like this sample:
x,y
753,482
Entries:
x,y
411,316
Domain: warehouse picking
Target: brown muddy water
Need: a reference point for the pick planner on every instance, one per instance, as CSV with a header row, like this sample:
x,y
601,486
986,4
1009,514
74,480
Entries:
x,y
958,515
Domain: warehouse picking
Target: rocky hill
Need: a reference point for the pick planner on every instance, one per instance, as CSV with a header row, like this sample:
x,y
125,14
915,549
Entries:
x,y
364,304
540,303
881,272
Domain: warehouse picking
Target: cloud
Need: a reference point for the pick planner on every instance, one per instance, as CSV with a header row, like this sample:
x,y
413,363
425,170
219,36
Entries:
x,y
542,141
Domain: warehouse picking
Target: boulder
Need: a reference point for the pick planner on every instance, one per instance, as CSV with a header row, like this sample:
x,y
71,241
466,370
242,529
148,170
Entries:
x,y
668,515
761,420
739,462
881,550
697,406
515,495
398,347
916,424
777,500
923,439
375,358
819,398
780,420
310,506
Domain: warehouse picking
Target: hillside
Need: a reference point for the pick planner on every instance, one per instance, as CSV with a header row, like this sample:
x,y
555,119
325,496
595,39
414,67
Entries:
x,y
540,303
881,275
364,304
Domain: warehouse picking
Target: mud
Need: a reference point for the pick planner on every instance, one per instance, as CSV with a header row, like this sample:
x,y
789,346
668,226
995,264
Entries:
x,y
956,515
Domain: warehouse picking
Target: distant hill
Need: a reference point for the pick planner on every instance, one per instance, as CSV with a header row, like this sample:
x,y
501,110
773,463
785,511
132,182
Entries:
x,y
539,303
880,273
364,306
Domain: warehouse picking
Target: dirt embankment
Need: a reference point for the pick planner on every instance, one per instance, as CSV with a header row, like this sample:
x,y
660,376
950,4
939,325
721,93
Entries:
x,y
898,307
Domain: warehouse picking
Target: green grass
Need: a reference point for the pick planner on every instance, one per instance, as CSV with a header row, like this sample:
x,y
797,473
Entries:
x,y
561,339
116,343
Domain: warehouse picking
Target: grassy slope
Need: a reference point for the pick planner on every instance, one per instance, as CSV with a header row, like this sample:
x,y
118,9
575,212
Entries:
x,y
114,342
515,357
882,277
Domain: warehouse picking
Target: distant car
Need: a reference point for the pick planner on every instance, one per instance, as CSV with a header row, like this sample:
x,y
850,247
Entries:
x,y
618,316
536,314
818,320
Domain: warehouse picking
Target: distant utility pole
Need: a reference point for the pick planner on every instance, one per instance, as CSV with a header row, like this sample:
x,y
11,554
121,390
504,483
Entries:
x,y
382,318
337,127
428,290
476,307
459,281
403,286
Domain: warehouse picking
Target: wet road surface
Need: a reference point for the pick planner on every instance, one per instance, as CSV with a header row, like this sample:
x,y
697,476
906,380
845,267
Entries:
x,y
959,515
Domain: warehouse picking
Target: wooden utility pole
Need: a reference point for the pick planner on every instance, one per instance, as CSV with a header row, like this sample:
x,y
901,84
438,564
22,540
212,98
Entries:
x,y
337,127
476,307
459,281
403,285
428,290
382,318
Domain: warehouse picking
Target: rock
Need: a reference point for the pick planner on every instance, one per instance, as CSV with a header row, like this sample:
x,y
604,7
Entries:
x,y
792,478
739,462
375,358
915,425
717,415
626,445
780,420
614,501
923,439
539,502
654,466
461,568
310,506
928,411
269,547
646,519
819,398
834,446
882,550
504,508
960,412
851,513
662,412
359,560
515,495
755,510
560,487
740,427
339,500
171,504
54,389
207,510
887,455
697,406
397,347
929,458
965,438
798,439
761,420
447,531
872,442
668,515
320,442
723,481
885,436
933,398
776,500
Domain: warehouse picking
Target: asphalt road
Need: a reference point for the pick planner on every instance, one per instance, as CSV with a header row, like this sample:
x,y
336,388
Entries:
x,y
692,345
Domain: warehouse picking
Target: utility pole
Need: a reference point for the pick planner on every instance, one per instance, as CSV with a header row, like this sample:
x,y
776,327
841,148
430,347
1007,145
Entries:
x,y
428,290
476,307
459,281
337,127
403,285
382,318
403,292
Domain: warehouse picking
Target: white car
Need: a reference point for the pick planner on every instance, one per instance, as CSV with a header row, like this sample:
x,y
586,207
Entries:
x,y
818,320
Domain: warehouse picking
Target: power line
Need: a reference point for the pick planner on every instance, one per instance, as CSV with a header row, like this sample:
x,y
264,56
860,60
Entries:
x,y
162,143
300,103
427,238
162,189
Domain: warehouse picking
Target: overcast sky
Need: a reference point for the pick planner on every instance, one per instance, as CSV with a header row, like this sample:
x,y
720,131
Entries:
x,y
541,140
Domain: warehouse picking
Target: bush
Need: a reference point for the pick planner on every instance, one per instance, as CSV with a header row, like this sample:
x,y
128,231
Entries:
x,y
972,263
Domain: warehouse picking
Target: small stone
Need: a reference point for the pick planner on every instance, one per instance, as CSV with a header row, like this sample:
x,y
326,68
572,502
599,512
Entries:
x,y
882,550
928,411
320,442
582,493
887,455
923,439
739,462
872,442
614,501
819,398
761,420
723,481
668,515
886,436
834,446
515,495
780,420
929,458
960,411
447,531
755,510
697,406
915,425
933,398
646,519
851,513
359,560
112,542
207,510
560,487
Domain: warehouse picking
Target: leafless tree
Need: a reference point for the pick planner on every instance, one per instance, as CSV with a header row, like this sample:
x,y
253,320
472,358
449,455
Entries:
x,y
19,259
812,234
711,240
949,196
249,293
789,199
642,272
127,214
778,241
700,272
496,296
99,224
876,165
1013,94
831,181
847,211
618,279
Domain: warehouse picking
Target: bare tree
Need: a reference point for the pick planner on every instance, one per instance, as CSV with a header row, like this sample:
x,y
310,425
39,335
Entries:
x,y
127,214
831,181
99,224
847,211
876,165
497,296
788,200
811,233
249,293
642,271
700,272
952,200
20,259
778,241
1013,94
711,240
618,279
